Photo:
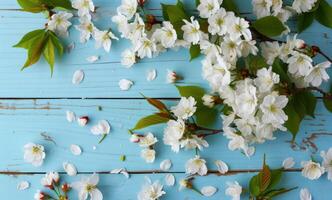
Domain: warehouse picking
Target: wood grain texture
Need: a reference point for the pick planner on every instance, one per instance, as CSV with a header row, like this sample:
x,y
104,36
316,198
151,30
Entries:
x,y
23,121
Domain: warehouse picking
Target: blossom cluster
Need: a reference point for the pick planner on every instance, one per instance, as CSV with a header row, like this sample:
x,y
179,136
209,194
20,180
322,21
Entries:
x,y
146,142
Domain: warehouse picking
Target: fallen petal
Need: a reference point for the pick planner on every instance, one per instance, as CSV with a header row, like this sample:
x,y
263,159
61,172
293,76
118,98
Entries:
x,y
92,59
165,165
125,84
75,149
23,185
151,75
70,116
78,77
169,179
208,191
288,163
221,166
305,194
69,168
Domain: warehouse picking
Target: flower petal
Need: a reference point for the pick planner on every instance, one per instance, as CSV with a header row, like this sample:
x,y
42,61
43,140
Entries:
x,y
70,116
305,194
75,149
222,166
78,77
92,59
23,185
208,191
96,195
70,169
169,179
165,165
125,84
288,163
151,75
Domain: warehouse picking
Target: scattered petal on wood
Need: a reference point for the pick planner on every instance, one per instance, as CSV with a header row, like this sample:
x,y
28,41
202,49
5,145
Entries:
x,y
70,116
151,75
221,166
169,179
165,165
288,163
70,47
23,185
94,148
122,171
92,59
75,149
305,194
78,77
125,84
69,168
208,191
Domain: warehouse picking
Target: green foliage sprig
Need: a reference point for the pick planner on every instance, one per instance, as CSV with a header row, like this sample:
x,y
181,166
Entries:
x,y
42,42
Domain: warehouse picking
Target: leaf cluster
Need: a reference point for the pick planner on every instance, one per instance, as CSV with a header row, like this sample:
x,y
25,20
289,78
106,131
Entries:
x,y
263,185
37,6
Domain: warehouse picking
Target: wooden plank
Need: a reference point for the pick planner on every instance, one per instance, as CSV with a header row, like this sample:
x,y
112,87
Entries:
x,y
118,187
23,121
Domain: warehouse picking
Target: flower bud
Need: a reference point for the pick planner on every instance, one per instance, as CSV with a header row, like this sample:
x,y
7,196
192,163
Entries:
x,y
172,77
40,195
141,2
134,138
315,50
151,19
186,183
82,121
65,188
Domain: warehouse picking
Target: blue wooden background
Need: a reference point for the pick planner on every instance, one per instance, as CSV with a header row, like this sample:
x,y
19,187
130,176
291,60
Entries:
x,y
31,103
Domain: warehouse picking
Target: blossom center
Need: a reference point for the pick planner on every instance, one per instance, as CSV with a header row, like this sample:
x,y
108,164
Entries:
x,y
90,188
35,150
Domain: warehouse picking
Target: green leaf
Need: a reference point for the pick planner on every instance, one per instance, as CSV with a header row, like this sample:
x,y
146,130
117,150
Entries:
x,y
264,177
294,120
49,53
194,91
255,63
324,14
66,4
269,26
35,50
281,68
206,117
304,20
254,186
175,14
157,104
278,192
276,176
195,51
149,121
328,103
25,42
197,2
56,42
230,5
34,6
309,101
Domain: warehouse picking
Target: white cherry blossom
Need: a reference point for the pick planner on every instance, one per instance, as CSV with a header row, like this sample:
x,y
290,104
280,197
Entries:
x,y
299,64
166,35
148,140
88,187
148,155
196,165
218,22
128,8
234,190
207,8
327,162
59,23
151,191
34,154
266,79
272,108
84,7
101,128
173,133
312,170
303,5
185,108
104,39
50,178
86,29
318,74
145,48
191,31
128,58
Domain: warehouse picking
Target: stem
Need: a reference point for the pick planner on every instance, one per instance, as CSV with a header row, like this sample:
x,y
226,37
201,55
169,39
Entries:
x,y
213,132
324,55
318,90
102,138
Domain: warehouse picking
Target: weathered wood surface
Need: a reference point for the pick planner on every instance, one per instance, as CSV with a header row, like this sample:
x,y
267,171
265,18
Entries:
x,y
33,103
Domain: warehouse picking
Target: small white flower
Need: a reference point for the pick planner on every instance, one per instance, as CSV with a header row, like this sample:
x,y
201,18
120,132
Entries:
x,y
312,170
69,168
303,5
134,138
148,155
70,116
165,165
148,140
239,27
171,76
270,50
299,64
221,166
84,7
169,179
173,133
128,58
208,191
103,127
125,84
34,154
288,163
75,150
122,25
166,35
59,23
185,108
86,29
196,166
151,191
127,8
230,47
266,79
92,59
78,77
208,100
305,194
217,22
88,187
234,190
318,74
50,178
272,108
192,33
151,75
207,8
262,8
23,185
104,39
145,47
327,162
